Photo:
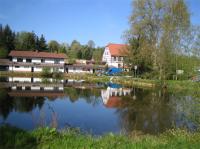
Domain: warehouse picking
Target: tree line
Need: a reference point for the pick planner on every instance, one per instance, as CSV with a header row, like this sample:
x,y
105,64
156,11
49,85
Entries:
x,y
27,41
162,39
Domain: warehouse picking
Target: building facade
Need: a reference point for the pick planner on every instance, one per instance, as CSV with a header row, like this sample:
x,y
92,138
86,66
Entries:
x,y
34,61
114,55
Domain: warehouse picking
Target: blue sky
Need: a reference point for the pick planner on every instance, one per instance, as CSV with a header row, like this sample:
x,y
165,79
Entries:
x,y
103,21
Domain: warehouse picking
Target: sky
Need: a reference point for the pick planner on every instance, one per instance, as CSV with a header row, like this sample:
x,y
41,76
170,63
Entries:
x,y
103,21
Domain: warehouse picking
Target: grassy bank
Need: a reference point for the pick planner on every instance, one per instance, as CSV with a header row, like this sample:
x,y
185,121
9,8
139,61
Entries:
x,y
47,138
183,85
90,78
172,85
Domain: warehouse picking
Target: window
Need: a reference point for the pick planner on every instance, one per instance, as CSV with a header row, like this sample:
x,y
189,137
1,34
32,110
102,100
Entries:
x,y
16,66
28,60
56,88
19,88
113,93
19,59
42,60
112,59
26,66
56,61
115,58
27,88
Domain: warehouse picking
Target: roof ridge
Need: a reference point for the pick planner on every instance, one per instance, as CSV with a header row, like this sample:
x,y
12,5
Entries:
x,y
36,54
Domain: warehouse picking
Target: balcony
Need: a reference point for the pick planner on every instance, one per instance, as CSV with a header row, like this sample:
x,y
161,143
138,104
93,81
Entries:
x,y
10,63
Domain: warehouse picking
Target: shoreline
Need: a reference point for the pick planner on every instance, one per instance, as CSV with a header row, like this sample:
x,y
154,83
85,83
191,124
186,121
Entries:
x,y
128,81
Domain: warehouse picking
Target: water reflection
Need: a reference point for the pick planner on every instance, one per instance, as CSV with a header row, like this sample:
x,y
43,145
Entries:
x,y
112,96
29,102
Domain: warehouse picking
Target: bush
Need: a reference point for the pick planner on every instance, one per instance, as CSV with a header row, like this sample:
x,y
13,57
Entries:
x,y
3,53
150,75
56,75
46,72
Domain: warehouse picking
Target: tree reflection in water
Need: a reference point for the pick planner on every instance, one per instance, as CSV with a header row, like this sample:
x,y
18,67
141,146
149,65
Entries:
x,y
19,104
155,111
138,110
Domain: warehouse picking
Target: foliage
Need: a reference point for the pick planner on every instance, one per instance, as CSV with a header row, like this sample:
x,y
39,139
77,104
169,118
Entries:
x,y
7,37
46,72
9,40
42,46
12,137
3,53
97,54
91,44
53,46
160,35
26,41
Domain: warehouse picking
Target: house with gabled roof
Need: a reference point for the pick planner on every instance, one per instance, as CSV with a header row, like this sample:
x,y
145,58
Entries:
x,y
114,55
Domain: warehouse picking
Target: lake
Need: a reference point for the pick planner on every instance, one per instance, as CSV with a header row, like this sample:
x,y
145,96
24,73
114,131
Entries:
x,y
97,108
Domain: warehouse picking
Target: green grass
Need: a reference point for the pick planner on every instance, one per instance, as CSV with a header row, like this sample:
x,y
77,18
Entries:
x,y
49,138
185,85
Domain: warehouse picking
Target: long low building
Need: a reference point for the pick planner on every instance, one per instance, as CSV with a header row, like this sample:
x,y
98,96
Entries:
x,y
83,68
35,61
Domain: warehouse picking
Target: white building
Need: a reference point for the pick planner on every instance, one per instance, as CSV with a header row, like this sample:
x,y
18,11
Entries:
x,y
34,61
114,55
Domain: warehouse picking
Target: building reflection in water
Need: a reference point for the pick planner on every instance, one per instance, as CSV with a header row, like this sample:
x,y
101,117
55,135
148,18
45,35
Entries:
x,y
113,94
35,87
128,110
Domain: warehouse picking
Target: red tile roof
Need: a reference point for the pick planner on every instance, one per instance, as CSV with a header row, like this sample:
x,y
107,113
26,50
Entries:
x,y
36,54
118,49
113,102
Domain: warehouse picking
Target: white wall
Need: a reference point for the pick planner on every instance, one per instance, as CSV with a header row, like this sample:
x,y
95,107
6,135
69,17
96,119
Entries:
x,y
49,61
109,92
20,69
62,61
106,55
36,60
37,69
61,69
19,79
28,69
110,60
14,59
78,70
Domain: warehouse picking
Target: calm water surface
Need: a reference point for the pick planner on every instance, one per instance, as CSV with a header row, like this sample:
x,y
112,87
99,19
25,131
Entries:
x,y
96,108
